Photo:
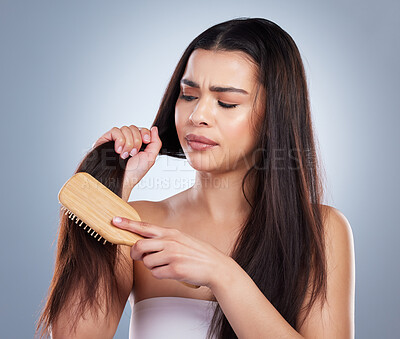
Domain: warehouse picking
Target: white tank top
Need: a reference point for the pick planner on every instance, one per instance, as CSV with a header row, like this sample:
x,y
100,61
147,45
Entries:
x,y
170,318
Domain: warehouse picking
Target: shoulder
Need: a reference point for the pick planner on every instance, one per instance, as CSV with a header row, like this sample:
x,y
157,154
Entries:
x,y
338,232
336,317
339,247
335,216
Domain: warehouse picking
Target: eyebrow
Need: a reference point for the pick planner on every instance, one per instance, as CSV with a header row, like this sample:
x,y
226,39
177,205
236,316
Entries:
x,y
214,88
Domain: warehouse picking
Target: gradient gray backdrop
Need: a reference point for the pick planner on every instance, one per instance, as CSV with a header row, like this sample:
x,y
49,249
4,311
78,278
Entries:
x,y
71,70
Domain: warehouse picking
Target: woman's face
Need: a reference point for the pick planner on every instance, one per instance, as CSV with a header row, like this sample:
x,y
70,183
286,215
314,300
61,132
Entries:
x,y
221,115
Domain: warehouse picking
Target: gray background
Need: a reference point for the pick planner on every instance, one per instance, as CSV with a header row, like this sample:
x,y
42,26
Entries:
x,y
71,70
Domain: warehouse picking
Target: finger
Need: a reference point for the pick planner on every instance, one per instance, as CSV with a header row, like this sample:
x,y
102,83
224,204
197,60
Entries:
x,y
137,139
140,227
161,272
145,247
128,141
113,134
119,139
153,148
146,135
153,260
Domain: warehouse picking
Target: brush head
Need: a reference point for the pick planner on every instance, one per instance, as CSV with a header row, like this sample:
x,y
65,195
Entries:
x,y
93,207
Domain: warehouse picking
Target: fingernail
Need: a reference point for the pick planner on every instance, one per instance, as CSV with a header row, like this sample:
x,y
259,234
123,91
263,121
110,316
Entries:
x,y
134,151
117,219
125,155
146,137
119,149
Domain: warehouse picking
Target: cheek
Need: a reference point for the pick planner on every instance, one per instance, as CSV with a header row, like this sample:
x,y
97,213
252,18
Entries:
x,y
238,132
179,120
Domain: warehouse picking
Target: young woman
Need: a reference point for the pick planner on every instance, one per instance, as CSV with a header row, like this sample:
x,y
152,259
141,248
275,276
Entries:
x,y
271,260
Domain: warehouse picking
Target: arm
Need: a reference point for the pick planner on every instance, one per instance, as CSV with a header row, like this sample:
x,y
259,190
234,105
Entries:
x,y
96,324
251,315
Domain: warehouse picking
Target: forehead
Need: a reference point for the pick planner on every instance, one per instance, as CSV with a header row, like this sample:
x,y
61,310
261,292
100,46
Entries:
x,y
221,68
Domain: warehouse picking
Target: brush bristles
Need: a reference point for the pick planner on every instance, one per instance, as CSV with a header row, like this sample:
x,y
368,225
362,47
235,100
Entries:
x,y
72,216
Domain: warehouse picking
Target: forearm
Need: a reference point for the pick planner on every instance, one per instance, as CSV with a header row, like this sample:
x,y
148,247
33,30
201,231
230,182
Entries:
x,y
91,326
248,311
98,321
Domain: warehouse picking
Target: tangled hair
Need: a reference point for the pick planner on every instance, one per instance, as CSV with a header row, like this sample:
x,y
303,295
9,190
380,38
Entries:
x,y
281,243
84,265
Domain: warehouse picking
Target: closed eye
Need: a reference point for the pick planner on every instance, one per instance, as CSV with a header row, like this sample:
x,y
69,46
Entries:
x,y
222,104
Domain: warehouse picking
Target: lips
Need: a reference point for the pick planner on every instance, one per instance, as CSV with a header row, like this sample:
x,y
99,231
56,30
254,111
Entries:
x,y
200,138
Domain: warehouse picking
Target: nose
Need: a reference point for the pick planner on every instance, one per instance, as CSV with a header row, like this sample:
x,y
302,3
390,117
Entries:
x,y
202,114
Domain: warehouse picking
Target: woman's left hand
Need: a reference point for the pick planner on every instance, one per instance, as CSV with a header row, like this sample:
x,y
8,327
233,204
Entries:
x,y
171,254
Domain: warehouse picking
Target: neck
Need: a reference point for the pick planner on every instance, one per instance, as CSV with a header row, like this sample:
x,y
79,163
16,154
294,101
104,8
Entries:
x,y
219,196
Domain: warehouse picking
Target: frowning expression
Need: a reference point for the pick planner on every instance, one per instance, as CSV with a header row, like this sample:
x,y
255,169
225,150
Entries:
x,y
216,100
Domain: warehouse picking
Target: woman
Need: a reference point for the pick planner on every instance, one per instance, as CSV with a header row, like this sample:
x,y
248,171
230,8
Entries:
x,y
270,259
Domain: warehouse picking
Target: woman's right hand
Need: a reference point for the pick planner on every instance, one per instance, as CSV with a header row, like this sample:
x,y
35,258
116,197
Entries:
x,y
128,140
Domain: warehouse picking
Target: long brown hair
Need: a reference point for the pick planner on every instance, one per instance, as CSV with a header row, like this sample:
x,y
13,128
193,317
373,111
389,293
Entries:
x,y
281,244
84,265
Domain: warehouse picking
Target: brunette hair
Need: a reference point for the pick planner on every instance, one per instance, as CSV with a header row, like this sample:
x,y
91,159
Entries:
x,y
281,244
83,264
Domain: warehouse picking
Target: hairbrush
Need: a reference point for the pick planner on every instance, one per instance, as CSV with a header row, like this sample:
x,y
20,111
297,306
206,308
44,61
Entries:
x,y
93,206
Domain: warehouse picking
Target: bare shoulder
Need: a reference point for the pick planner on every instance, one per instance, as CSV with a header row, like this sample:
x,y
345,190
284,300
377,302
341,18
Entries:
x,y
336,318
337,227
336,216
339,244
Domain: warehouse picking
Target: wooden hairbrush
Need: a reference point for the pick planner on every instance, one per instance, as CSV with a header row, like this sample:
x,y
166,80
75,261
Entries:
x,y
93,207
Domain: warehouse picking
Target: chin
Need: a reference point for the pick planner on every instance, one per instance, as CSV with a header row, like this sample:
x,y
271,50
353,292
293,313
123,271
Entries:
x,y
207,160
